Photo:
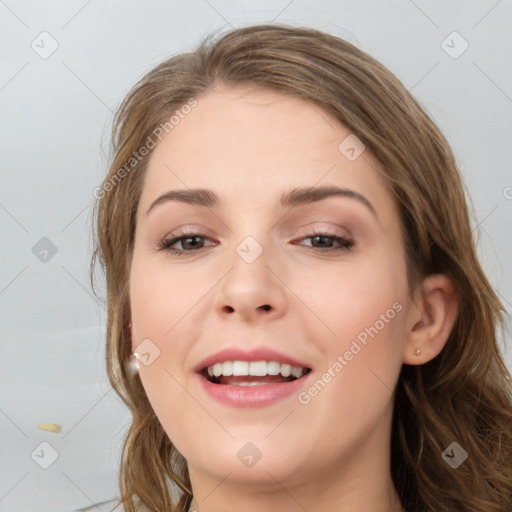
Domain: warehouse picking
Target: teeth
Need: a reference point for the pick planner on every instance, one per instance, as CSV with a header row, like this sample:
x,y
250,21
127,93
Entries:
x,y
227,369
297,372
258,369
249,383
286,370
273,368
217,369
254,369
239,368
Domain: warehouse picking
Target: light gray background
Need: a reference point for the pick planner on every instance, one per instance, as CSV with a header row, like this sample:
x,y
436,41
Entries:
x,y
56,113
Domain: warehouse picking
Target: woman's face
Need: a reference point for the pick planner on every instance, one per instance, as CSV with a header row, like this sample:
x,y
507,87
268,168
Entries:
x,y
274,269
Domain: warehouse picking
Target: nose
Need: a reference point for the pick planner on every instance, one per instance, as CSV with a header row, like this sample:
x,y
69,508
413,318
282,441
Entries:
x,y
251,291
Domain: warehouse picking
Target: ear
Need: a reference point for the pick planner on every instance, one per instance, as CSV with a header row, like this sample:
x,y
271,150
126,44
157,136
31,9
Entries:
x,y
430,319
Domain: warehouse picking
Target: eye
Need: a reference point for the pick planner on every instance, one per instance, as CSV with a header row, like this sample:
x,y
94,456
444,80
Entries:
x,y
193,242
190,242
329,242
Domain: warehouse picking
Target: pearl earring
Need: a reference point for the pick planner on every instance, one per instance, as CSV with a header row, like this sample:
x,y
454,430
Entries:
x,y
417,352
133,364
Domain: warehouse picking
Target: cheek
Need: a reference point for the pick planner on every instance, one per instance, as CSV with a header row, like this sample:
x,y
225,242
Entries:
x,y
155,312
162,304
351,296
353,388
360,310
159,298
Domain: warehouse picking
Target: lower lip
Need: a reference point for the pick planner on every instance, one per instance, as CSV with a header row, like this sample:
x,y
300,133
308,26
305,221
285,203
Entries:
x,y
252,396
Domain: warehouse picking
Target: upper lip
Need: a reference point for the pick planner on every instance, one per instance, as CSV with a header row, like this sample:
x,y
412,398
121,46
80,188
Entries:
x,y
256,354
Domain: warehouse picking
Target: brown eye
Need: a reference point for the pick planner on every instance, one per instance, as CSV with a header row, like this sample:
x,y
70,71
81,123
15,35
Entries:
x,y
327,242
188,242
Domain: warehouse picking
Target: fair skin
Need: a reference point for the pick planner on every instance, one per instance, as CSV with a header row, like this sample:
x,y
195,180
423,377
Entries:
x,y
249,146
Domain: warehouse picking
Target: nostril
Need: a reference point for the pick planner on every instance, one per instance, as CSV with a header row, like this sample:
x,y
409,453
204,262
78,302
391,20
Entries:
x,y
266,307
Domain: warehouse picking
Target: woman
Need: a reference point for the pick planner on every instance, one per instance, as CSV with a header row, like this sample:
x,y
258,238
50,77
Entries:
x,y
297,318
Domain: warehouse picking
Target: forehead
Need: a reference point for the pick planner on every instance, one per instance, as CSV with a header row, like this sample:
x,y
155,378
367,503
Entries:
x,y
252,121
250,143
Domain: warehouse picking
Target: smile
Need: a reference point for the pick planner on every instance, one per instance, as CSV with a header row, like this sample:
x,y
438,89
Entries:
x,y
251,378
252,383
252,373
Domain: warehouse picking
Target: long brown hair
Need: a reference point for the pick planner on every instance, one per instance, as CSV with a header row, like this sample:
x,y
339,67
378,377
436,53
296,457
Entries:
x,y
463,395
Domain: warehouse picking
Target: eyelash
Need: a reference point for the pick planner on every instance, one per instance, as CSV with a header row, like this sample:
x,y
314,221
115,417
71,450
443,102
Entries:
x,y
346,244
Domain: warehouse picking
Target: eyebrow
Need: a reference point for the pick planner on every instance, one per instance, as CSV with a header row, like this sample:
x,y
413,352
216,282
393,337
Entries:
x,y
295,197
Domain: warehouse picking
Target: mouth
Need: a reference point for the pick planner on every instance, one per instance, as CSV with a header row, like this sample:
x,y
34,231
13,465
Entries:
x,y
252,378
252,373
